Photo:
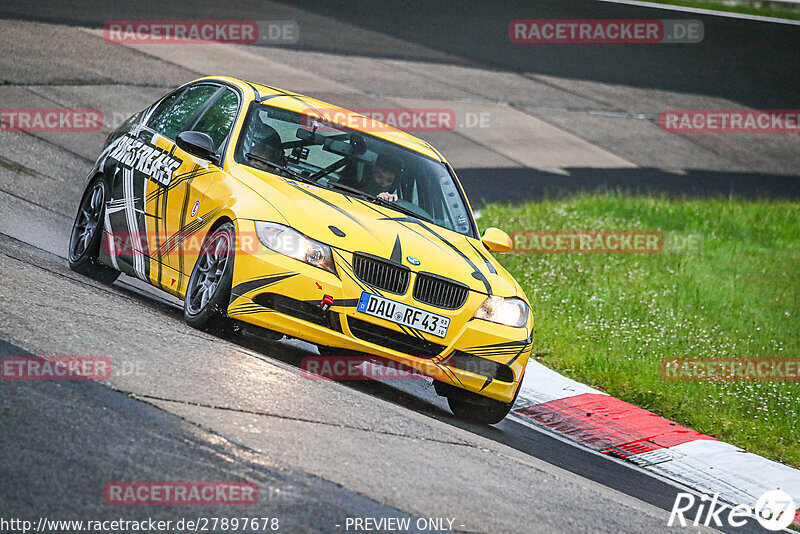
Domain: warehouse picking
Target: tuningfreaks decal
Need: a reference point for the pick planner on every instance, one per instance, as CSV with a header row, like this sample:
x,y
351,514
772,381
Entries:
x,y
147,159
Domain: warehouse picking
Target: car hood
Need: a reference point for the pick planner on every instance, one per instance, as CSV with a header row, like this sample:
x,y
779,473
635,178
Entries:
x,y
324,215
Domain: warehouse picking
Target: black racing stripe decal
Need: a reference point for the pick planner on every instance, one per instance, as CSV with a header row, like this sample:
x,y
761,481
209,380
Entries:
x,y
411,331
372,206
337,208
485,259
397,251
505,344
522,351
387,216
497,351
513,348
488,381
450,373
184,233
348,270
248,308
477,274
158,239
164,198
180,179
258,283
184,207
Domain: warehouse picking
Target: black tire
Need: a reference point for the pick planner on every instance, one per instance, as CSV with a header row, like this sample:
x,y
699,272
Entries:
x,y
87,234
209,290
325,350
474,408
488,412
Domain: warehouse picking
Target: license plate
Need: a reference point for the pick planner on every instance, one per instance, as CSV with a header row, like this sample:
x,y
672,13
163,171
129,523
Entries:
x,y
400,313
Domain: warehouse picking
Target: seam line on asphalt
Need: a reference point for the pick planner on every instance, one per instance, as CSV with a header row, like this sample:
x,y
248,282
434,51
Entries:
x,y
53,143
297,419
32,203
79,280
20,168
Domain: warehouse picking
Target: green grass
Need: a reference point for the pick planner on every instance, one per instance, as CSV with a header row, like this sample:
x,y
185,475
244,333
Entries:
x,y
764,9
608,320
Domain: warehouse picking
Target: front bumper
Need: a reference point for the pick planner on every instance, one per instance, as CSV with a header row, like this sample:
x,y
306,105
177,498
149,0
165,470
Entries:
x,y
283,294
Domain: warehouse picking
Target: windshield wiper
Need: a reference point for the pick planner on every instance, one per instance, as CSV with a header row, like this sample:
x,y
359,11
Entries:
x,y
284,168
376,200
348,189
402,209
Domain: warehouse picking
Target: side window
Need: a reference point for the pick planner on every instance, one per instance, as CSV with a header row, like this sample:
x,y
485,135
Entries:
x,y
176,112
218,119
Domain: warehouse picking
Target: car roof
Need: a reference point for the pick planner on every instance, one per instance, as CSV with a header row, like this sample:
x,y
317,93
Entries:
x,y
292,101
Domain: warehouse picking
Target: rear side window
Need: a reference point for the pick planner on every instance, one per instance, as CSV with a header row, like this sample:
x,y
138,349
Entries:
x,y
177,112
218,118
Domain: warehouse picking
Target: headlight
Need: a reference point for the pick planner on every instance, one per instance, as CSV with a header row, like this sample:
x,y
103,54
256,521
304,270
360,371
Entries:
x,y
510,312
289,242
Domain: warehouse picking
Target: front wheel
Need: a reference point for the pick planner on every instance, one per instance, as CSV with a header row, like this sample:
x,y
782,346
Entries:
x,y
488,412
209,290
475,408
87,234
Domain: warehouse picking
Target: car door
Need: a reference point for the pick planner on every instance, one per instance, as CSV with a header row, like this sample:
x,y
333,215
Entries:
x,y
189,212
142,167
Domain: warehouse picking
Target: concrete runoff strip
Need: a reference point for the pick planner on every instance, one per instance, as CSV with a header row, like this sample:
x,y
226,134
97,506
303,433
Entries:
x,y
610,426
521,137
238,62
514,134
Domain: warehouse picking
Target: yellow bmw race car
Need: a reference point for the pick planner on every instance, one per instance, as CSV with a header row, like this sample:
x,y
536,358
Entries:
x,y
260,205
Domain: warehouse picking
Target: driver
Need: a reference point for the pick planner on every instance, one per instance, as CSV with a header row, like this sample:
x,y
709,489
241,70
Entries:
x,y
384,182
265,141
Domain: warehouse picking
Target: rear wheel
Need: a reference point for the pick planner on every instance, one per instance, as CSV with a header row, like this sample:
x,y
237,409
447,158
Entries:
x,y
209,290
87,233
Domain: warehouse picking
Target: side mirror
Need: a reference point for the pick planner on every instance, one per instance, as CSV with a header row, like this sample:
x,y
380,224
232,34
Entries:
x,y
198,144
496,240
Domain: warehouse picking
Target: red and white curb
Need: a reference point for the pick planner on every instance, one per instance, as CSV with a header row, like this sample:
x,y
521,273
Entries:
x,y
610,426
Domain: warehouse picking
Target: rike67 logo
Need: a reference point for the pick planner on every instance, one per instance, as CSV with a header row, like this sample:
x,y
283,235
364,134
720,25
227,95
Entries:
x,y
774,510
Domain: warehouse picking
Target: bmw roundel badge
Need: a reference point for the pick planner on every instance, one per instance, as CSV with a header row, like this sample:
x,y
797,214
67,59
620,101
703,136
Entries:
x,y
412,260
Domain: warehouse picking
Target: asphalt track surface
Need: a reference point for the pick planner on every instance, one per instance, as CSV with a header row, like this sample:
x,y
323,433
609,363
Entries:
x,y
188,406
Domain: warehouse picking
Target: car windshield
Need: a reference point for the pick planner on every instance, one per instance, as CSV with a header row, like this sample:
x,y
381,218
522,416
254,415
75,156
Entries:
x,y
332,156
